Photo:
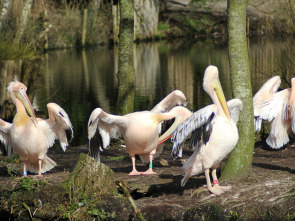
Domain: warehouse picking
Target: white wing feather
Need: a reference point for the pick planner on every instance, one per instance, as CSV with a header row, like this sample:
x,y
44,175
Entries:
x,y
60,125
184,130
5,137
101,128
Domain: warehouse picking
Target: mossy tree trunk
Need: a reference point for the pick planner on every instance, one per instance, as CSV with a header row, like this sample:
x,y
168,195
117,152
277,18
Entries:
x,y
125,102
240,160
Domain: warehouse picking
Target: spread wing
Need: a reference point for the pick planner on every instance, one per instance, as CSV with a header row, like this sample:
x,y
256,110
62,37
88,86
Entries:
x,y
268,103
175,98
197,123
57,126
101,128
171,100
5,148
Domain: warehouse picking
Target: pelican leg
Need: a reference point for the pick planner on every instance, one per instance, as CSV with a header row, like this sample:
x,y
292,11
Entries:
x,y
150,170
212,189
216,184
25,174
134,172
40,166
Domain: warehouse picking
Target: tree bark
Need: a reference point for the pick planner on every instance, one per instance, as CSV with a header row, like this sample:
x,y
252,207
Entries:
x,y
4,11
116,21
240,160
23,19
146,18
125,102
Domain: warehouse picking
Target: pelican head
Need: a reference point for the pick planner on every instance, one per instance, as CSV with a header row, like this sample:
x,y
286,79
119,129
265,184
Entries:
x,y
213,87
17,90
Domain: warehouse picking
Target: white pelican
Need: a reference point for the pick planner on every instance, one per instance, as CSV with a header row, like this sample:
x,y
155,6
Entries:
x,y
213,132
140,129
278,107
30,137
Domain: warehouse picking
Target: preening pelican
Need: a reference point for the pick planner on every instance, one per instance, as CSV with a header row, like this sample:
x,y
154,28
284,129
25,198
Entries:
x,y
30,137
140,129
213,133
277,107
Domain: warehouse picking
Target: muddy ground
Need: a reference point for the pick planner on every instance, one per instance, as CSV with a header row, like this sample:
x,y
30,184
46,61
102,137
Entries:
x,y
268,193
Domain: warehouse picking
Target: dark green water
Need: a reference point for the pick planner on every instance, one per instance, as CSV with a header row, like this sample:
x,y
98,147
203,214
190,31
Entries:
x,y
80,81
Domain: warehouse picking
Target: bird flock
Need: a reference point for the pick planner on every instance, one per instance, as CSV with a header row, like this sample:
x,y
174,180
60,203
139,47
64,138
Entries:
x,y
212,130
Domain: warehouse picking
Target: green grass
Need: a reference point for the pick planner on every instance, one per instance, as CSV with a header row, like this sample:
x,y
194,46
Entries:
x,y
163,26
10,50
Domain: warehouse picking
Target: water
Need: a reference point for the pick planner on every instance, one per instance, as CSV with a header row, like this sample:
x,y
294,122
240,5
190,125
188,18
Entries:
x,y
80,81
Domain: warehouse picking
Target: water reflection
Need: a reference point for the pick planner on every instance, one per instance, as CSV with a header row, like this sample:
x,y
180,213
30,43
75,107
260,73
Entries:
x,y
80,81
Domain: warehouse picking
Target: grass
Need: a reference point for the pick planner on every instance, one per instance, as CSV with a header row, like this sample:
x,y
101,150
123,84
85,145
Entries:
x,y
10,50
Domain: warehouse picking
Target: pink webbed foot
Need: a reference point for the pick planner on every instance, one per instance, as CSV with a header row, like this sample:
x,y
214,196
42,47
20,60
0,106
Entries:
x,y
216,190
225,188
149,172
135,173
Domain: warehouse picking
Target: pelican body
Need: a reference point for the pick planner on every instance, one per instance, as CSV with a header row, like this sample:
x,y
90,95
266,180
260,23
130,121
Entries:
x,y
277,107
30,137
139,129
213,133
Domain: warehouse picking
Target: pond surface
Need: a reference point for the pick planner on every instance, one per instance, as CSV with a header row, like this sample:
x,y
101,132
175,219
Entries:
x,y
80,81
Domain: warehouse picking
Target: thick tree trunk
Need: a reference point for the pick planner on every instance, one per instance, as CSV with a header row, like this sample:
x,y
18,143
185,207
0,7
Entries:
x,y
24,19
240,160
146,18
4,11
125,102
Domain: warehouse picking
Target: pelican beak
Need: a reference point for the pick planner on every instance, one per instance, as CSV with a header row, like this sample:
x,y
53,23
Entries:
x,y
26,102
168,134
219,92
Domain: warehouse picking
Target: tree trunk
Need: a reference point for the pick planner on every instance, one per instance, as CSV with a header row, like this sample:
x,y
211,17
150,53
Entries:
x,y
146,18
125,102
84,27
240,160
23,19
116,21
4,11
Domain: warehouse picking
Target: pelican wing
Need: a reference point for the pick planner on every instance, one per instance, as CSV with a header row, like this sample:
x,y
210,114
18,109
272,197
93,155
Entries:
x,y
5,127
195,122
171,100
101,128
235,106
278,135
60,125
268,103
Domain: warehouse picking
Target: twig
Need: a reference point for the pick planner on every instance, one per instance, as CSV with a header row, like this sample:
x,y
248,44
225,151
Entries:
x,y
28,208
131,201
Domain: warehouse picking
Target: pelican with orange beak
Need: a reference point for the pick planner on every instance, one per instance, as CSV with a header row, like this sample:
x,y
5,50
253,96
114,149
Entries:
x,y
213,133
29,136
